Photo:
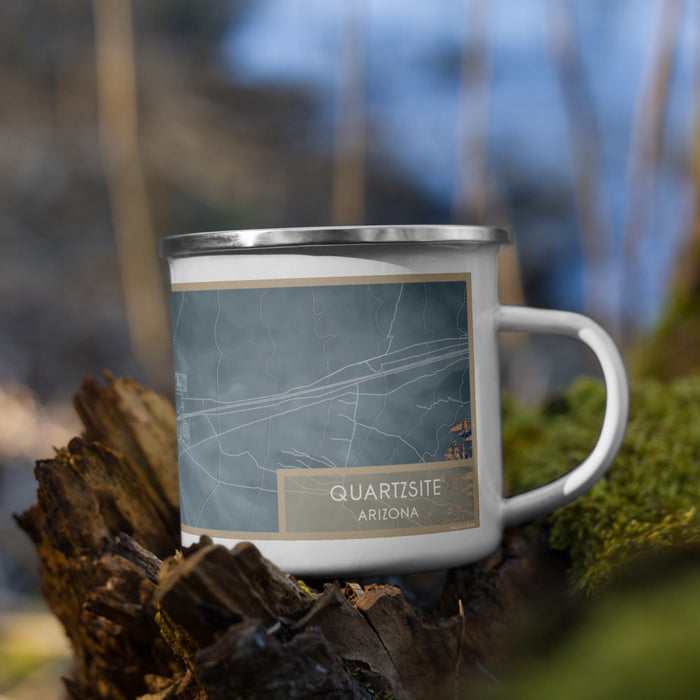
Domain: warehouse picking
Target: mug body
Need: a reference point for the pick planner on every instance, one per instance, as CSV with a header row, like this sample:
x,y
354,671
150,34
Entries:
x,y
337,395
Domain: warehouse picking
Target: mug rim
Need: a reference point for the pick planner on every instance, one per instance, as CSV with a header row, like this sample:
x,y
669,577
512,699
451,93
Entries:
x,y
218,242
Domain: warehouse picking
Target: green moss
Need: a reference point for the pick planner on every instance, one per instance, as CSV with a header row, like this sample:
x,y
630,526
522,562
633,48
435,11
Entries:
x,y
638,642
648,499
673,348
303,587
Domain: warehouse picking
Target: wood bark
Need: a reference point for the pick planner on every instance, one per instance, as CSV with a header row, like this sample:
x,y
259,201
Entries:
x,y
149,621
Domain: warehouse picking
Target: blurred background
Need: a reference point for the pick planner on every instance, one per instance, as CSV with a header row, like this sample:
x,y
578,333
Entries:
x,y
576,123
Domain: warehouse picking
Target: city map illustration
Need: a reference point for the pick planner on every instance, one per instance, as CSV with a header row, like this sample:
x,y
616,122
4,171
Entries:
x,y
320,377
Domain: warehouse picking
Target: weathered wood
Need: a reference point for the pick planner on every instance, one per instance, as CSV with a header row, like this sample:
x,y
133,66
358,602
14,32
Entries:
x,y
250,662
126,547
140,425
213,588
148,621
116,478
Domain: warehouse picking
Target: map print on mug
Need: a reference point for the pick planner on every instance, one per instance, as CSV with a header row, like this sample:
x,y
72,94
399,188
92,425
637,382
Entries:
x,y
326,408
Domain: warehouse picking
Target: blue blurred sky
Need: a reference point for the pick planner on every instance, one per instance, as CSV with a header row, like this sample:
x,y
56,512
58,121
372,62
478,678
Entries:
x,y
413,99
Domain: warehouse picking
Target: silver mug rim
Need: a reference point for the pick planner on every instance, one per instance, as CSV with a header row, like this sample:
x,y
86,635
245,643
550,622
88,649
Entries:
x,y
219,242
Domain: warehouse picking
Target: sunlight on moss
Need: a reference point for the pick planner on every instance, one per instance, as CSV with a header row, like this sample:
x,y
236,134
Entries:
x,y
648,499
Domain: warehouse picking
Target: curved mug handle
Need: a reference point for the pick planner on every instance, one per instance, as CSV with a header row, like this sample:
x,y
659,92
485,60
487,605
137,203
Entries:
x,y
567,488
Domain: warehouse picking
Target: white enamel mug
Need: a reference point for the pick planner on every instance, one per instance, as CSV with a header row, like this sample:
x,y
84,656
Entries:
x,y
338,396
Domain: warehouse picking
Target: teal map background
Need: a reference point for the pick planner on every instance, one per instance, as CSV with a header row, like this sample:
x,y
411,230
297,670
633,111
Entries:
x,y
311,377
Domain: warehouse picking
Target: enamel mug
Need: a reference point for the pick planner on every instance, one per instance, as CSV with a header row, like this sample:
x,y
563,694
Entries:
x,y
338,397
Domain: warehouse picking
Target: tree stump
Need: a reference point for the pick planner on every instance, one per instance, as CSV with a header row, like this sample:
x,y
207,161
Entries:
x,y
149,621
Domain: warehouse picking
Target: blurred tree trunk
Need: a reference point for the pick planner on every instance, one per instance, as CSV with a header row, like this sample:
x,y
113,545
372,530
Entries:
x,y
476,200
646,146
472,199
350,119
585,146
135,239
673,348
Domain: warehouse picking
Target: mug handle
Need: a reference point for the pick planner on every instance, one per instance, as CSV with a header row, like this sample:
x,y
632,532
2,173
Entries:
x,y
567,488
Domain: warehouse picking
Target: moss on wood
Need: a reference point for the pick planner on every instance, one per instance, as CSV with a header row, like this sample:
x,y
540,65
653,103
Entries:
x,y
647,501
